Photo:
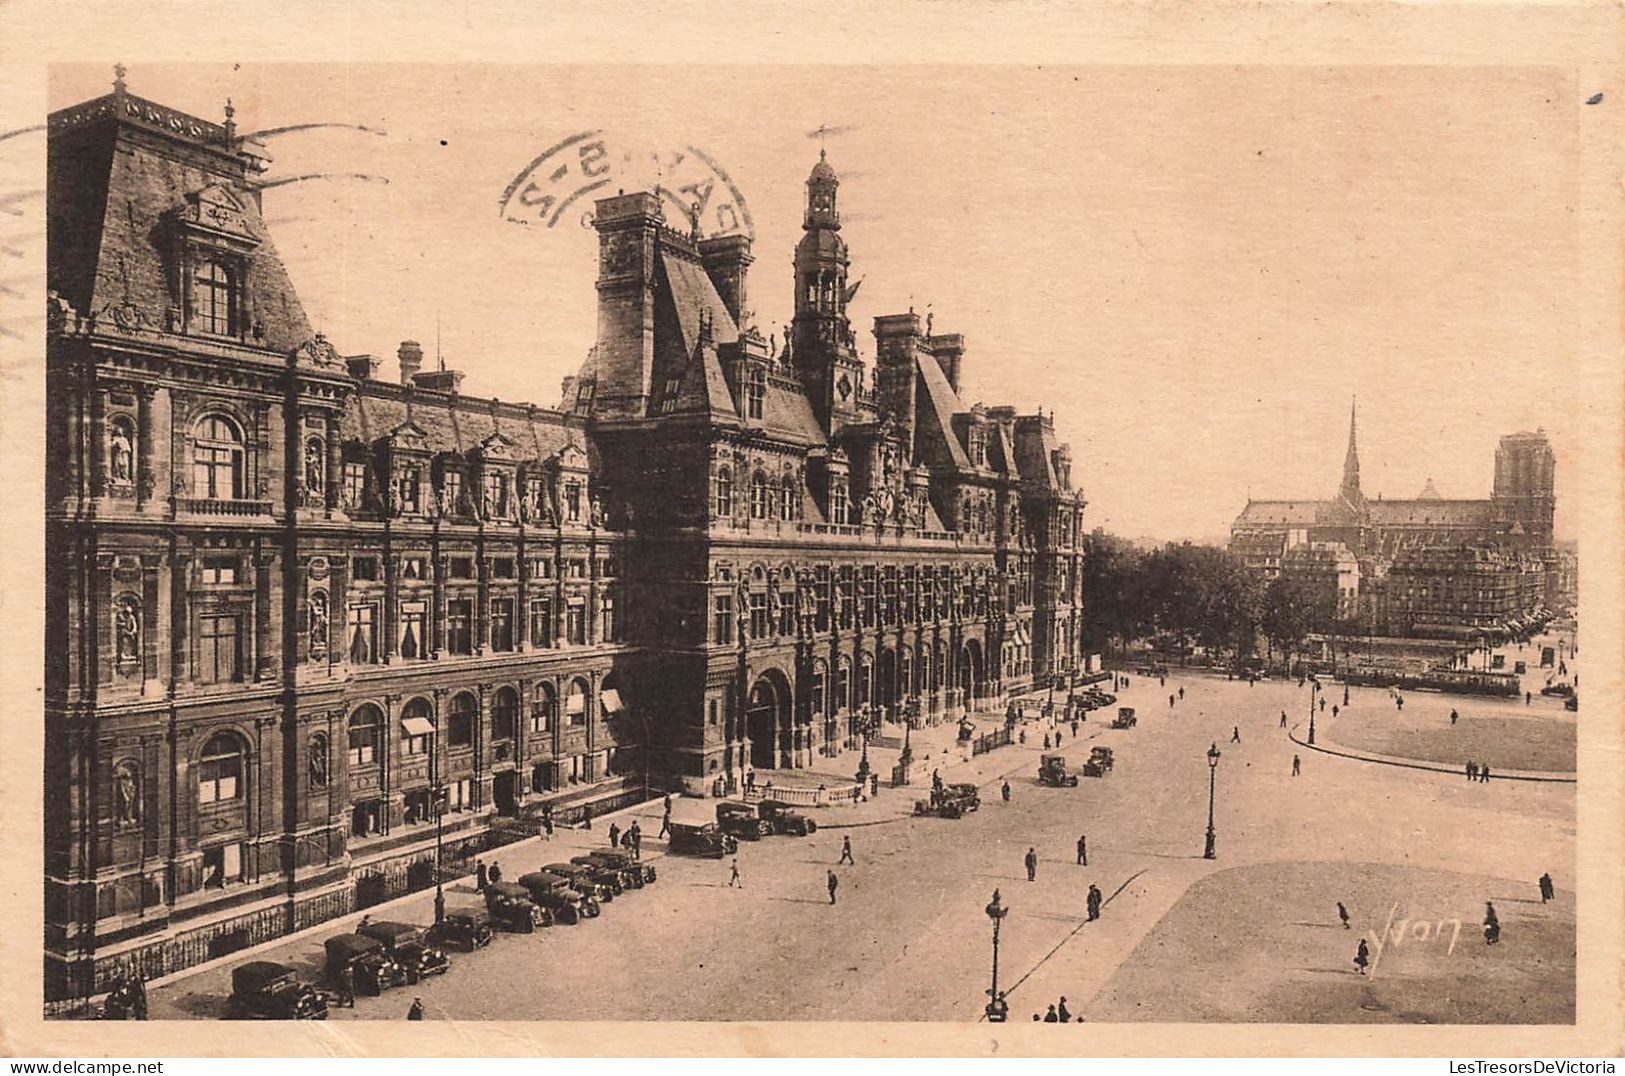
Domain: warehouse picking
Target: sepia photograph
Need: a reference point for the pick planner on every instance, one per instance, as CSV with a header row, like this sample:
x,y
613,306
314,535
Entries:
x,y
896,542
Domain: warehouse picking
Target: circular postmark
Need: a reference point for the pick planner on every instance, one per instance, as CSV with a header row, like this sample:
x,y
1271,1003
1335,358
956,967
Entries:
x,y
559,186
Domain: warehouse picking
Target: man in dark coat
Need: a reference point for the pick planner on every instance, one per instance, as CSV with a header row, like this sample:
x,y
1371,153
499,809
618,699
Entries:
x,y
1343,914
834,883
846,853
479,874
1362,956
416,1011
665,820
1031,860
1483,773
1546,890
1005,792
1492,924
1472,771
614,835
1062,1011
347,986
1093,902
1083,851
1296,764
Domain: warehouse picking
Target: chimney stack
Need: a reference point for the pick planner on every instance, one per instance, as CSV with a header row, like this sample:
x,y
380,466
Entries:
x,y
949,348
362,367
411,355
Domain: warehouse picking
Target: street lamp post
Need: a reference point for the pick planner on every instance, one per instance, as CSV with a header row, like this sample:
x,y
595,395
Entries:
x,y
997,1010
439,837
1212,774
1312,691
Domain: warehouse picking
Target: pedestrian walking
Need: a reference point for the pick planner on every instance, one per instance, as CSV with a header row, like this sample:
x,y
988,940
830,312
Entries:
x,y
1046,741
1083,851
634,841
614,835
1235,733
874,785
733,875
1454,716
1181,694
1162,681
1092,902
1283,719
1343,914
1546,891
1061,1011
479,875
1484,774
1074,728
416,1011
1170,702
1023,736
1032,865
1399,703
1472,771
750,780
547,823
1492,924
1362,956
586,816
1051,1017
1334,708
834,882
1005,792
665,819
846,853
1527,697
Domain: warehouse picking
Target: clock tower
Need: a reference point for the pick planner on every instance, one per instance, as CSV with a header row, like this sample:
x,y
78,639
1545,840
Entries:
x,y
822,344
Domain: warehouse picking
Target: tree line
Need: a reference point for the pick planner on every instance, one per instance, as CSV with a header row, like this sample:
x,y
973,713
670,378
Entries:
x,y
1188,594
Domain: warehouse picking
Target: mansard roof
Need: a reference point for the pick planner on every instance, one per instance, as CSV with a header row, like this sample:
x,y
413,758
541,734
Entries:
x,y
456,424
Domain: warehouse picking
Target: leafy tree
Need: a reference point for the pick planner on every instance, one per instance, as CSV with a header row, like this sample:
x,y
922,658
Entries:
x,y
1288,614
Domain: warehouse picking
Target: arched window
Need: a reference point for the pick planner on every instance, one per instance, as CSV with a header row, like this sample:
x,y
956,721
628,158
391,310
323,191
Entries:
x,y
576,704
544,708
366,728
725,493
465,709
220,769
815,694
758,496
214,297
843,684
217,460
417,728
504,713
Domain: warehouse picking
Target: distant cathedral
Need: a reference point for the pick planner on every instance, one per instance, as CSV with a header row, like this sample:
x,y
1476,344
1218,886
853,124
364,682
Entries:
x,y
1422,564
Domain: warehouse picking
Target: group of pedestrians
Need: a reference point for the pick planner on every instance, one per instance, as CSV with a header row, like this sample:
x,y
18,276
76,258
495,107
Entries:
x,y
1478,771
632,839
1058,1014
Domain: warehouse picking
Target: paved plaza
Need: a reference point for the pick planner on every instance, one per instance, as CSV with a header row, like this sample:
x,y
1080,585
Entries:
x,y
1251,935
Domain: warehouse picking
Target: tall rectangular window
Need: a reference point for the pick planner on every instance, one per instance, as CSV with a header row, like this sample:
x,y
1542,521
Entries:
x,y
837,501
607,625
361,634
575,623
460,626
758,615
723,605
755,392
541,622
409,490
413,641
501,623
214,297
572,501
217,659
451,492
821,592
355,483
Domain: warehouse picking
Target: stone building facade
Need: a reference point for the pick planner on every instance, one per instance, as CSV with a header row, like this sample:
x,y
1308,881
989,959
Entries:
x,y
1425,566
293,603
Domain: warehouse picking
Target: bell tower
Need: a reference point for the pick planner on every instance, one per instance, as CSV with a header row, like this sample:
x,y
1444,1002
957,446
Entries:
x,y
822,344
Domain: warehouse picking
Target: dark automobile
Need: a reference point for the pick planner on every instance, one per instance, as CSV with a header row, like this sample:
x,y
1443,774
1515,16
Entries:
x,y
741,820
556,895
629,873
968,794
1052,771
266,990
781,819
1125,718
126,1000
602,885
408,947
623,862
701,839
511,907
373,968
468,929
1562,690
949,801
1099,763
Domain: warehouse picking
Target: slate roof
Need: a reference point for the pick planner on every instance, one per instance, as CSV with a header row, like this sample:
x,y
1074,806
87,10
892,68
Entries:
x,y
455,423
1282,512
1432,512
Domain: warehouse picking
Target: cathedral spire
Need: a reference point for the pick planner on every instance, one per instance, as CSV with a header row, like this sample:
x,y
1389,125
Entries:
x,y
1350,489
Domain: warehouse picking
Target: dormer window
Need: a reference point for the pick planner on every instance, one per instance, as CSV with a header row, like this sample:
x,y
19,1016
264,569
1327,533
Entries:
x,y
572,501
755,392
584,395
215,293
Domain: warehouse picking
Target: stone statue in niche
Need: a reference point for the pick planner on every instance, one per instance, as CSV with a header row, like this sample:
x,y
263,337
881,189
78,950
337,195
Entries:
x,y
597,509
315,470
127,631
120,455
742,609
126,795
318,624
318,762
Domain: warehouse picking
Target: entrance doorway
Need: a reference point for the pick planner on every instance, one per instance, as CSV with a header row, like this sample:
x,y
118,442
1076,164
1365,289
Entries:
x,y
503,792
767,722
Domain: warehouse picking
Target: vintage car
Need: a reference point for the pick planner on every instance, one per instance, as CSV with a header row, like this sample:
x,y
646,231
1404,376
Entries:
x,y
512,909
947,802
1052,771
967,793
741,820
701,839
266,990
638,873
1125,718
555,894
781,819
628,873
1099,763
373,968
1561,690
408,947
1572,702
467,929
602,885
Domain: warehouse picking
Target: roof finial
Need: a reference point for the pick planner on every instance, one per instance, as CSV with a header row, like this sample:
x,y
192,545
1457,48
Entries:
x,y
694,218
231,123
119,72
